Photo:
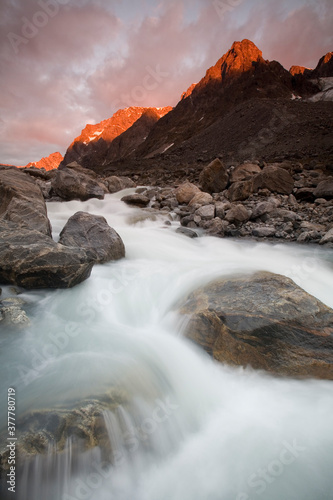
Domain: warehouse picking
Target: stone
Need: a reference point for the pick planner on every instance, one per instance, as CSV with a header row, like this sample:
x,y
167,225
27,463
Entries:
x,y
214,177
116,183
215,226
201,199
187,232
220,209
311,226
264,231
206,212
305,194
244,172
324,189
186,191
31,259
309,236
240,191
93,234
76,184
22,202
12,313
264,320
138,200
327,238
277,180
237,214
262,208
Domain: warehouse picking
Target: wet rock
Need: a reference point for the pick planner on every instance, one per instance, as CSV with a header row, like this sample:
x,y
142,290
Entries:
x,y
214,177
115,183
31,259
187,232
22,202
238,214
12,313
93,234
186,191
263,320
277,180
138,200
77,184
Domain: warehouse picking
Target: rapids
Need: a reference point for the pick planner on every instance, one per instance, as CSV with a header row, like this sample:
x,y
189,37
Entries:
x,y
194,429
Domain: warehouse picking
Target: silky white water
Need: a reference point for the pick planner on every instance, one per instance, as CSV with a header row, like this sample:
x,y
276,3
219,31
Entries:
x,y
195,429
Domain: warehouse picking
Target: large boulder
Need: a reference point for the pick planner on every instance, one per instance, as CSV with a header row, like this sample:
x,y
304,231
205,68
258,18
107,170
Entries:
x,y
186,191
116,184
31,259
137,200
214,177
277,180
93,234
263,320
22,202
75,184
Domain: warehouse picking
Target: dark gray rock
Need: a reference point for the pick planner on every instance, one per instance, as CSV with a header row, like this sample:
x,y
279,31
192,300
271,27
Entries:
x,y
187,232
137,200
76,184
93,234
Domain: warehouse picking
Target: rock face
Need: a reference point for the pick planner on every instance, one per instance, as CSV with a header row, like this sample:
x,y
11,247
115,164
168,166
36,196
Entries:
x,y
75,184
263,320
22,202
214,177
92,234
31,259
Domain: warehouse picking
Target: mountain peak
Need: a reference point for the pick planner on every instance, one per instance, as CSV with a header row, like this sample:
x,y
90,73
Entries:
x,y
240,58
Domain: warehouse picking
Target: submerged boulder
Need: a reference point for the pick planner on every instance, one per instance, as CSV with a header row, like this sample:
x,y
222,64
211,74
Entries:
x,y
263,320
93,234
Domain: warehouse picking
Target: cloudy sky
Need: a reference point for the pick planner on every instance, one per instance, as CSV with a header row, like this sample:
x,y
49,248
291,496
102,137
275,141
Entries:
x,y
65,63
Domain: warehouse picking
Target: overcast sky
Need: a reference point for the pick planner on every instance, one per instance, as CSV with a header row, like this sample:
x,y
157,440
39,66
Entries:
x,y
65,63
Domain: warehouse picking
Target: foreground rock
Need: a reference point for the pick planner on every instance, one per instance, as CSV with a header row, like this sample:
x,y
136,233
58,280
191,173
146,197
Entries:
x,y
263,320
22,202
76,184
93,234
31,259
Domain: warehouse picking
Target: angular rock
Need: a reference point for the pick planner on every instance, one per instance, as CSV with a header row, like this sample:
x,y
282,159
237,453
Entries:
x,y
238,214
263,208
75,184
22,202
214,177
327,238
220,209
263,320
93,234
324,189
305,194
244,172
206,212
11,312
240,191
277,180
116,184
31,259
201,199
138,200
186,191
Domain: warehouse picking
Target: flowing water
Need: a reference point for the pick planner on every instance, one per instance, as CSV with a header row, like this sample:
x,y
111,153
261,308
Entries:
x,y
193,429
